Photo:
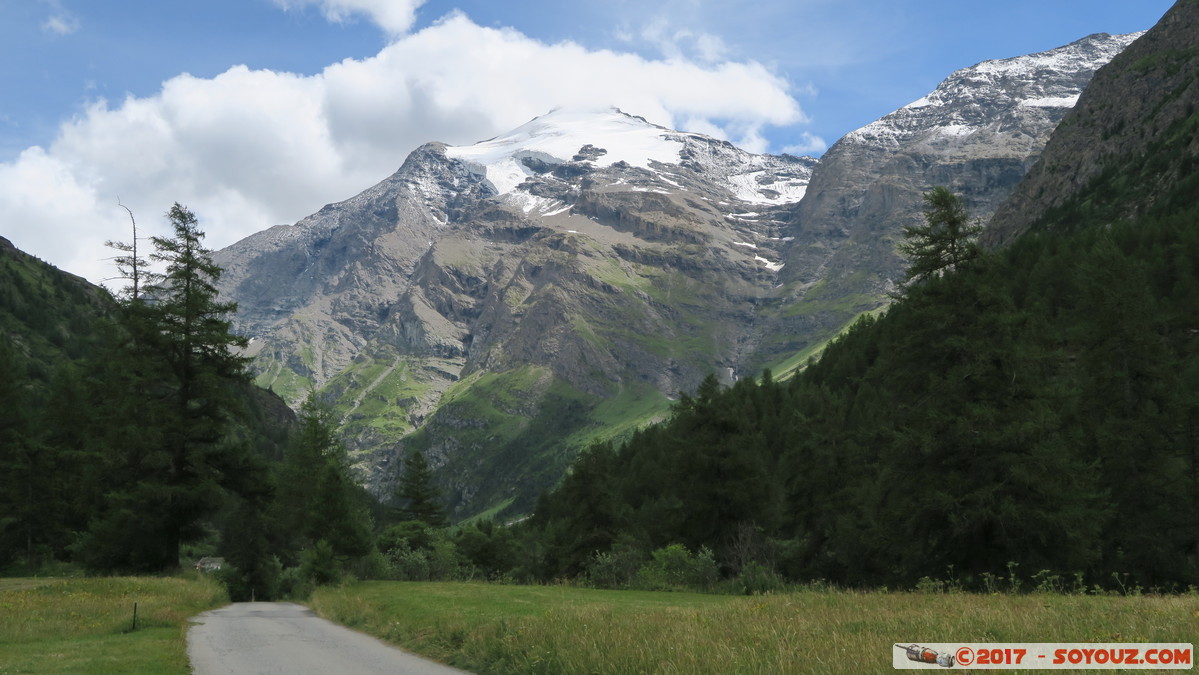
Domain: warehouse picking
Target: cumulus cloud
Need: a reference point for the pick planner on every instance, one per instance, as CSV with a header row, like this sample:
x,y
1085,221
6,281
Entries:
x,y
248,149
394,16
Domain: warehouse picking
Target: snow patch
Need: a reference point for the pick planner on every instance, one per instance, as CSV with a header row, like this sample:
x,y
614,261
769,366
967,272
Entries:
x,y
662,177
748,189
772,266
1051,102
956,130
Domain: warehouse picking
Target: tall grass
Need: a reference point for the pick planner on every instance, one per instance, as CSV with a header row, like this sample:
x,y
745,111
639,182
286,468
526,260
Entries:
x,y
85,625
513,629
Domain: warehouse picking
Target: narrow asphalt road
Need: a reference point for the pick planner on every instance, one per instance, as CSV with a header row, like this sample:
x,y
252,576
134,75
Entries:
x,y
248,638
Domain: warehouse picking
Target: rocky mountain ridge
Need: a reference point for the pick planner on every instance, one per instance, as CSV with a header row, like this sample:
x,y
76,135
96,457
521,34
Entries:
x,y
977,133
1139,111
501,305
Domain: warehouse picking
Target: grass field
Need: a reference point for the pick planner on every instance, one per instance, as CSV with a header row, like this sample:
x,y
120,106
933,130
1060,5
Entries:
x,y
83,625
556,629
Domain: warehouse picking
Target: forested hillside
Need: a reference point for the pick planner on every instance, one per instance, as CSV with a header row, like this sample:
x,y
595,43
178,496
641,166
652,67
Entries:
x,y
131,436
1033,410
1037,407
45,315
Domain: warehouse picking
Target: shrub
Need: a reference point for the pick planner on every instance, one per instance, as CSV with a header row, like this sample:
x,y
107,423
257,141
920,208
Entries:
x,y
676,568
407,564
614,569
320,564
415,534
439,562
294,585
756,579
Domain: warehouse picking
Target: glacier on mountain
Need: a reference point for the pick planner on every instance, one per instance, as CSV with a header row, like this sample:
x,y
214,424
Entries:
x,y
606,138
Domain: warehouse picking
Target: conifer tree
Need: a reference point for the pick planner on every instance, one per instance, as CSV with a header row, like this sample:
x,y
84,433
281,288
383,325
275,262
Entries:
x,y
944,242
318,494
418,496
171,378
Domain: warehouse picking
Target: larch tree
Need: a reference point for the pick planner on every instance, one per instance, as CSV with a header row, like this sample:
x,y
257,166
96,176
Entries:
x,y
944,242
172,377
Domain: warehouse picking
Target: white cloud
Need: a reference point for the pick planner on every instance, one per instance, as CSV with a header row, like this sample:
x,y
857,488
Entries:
x,y
681,43
61,21
394,16
248,149
809,144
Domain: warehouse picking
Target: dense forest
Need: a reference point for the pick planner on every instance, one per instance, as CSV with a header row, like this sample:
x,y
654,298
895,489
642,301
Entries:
x,y
1032,409
131,433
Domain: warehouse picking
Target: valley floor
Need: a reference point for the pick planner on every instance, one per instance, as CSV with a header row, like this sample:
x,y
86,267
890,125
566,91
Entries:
x,y
488,628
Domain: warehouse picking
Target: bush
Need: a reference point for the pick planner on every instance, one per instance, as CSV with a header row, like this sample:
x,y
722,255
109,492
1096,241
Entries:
x,y
373,565
320,564
439,562
294,585
757,579
614,569
445,564
415,534
490,548
407,564
675,568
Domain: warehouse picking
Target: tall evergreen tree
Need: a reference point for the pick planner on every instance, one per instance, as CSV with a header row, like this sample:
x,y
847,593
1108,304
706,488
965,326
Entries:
x,y
944,242
171,378
318,496
417,495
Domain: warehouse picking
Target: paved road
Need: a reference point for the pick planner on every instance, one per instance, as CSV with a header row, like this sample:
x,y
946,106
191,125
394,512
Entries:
x,y
249,638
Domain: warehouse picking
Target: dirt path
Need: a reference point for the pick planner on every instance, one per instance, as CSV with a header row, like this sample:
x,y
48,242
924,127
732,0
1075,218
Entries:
x,y
281,637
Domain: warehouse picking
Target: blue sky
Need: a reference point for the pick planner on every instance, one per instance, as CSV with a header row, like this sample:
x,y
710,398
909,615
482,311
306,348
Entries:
x,y
257,112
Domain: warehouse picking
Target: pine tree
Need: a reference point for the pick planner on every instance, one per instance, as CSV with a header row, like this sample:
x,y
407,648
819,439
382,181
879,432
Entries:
x,y
419,497
944,242
131,266
171,377
318,495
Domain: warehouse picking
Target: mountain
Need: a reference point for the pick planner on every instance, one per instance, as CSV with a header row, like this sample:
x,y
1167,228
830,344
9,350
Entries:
x,y
1028,412
500,297
1138,116
977,133
501,305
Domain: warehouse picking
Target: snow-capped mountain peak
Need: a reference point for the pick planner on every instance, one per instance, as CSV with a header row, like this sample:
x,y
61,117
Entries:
x,y
982,94
600,137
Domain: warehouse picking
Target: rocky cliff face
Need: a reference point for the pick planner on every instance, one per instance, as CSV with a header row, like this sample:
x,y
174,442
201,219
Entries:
x,y
1136,111
501,305
978,134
